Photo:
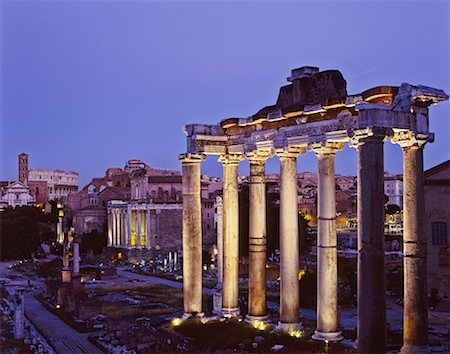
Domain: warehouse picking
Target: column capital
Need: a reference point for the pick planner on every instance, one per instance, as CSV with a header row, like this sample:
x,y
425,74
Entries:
x,y
230,159
368,135
191,158
290,152
409,139
259,156
322,148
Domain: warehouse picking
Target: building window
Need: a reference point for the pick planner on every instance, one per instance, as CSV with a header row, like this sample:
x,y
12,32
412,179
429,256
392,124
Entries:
x,y
439,233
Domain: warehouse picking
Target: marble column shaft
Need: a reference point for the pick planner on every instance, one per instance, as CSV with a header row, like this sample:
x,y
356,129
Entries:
x,y
138,228
76,257
192,234
230,300
415,322
371,259
289,242
219,202
257,239
327,303
129,228
19,315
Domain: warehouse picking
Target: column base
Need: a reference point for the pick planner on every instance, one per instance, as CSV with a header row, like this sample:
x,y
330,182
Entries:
x,y
252,319
187,315
413,349
327,336
288,327
233,312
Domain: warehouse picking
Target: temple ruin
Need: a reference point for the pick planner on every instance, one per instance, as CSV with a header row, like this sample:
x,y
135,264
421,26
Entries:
x,y
314,113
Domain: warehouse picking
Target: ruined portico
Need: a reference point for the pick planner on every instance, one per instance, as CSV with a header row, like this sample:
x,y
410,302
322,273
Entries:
x,y
315,113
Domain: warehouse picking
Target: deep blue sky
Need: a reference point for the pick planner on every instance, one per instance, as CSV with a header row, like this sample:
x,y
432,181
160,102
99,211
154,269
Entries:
x,y
87,85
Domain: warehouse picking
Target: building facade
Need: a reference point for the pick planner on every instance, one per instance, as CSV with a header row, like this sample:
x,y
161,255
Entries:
x,y
16,194
437,227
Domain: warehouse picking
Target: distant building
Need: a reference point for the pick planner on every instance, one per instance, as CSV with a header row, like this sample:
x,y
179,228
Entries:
x,y
393,189
47,184
16,194
437,227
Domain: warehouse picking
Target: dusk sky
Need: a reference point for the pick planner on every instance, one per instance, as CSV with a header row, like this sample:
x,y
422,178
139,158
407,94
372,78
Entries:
x,y
87,85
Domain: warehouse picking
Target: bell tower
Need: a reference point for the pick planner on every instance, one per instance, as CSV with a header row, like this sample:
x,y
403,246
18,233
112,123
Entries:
x,y
23,168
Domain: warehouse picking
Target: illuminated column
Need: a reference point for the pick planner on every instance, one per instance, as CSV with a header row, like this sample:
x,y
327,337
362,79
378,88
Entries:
x,y
219,204
138,228
257,236
289,242
19,320
143,229
123,238
371,259
148,231
65,271
110,237
230,301
129,228
192,234
415,321
76,256
327,304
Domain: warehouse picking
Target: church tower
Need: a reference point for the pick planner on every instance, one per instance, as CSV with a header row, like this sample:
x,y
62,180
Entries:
x,y
23,168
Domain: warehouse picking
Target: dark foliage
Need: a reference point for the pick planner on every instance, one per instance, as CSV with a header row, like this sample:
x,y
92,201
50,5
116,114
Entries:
x,y
94,241
22,230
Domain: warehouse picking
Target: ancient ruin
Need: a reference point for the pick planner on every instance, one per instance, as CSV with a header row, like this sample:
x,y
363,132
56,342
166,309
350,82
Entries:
x,y
315,113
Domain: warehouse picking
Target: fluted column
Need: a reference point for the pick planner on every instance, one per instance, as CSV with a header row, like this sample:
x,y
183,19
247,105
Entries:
x,y
327,304
230,301
415,314
138,228
129,228
257,236
110,236
192,234
371,259
289,242
148,229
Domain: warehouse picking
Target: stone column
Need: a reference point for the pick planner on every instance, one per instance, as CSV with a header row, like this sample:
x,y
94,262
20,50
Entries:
x,y
415,321
257,236
109,228
371,258
327,304
148,230
129,228
65,271
76,256
192,235
19,320
289,242
230,301
138,228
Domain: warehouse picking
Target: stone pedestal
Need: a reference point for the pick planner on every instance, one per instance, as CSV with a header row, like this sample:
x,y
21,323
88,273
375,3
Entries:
x,y
230,301
327,305
217,301
257,237
192,234
289,243
371,259
415,322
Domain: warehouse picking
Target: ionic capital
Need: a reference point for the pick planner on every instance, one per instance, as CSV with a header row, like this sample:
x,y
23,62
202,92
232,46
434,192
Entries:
x,y
191,158
409,139
360,137
326,147
290,152
230,159
259,156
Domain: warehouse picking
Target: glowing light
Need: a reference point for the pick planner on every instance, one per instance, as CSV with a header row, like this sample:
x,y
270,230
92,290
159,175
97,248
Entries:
x,y
260,325
176,322
203,320
58,306
296,333
301,273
